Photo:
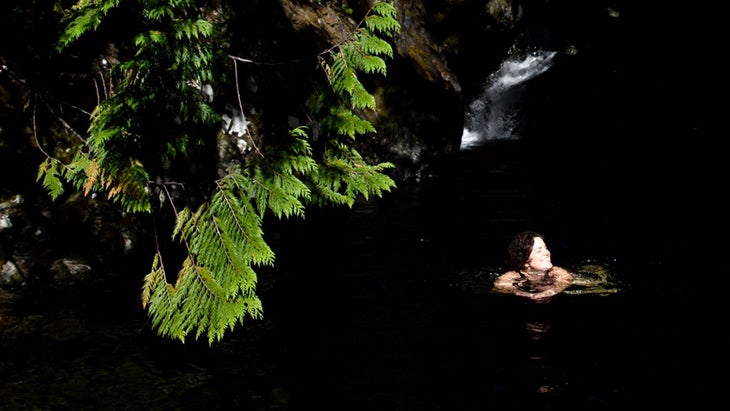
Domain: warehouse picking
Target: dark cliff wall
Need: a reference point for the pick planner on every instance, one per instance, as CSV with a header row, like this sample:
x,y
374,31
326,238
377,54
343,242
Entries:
x,y
421,101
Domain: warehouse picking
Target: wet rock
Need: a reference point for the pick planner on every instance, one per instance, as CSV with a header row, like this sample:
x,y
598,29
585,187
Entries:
x,y
10,275
69,272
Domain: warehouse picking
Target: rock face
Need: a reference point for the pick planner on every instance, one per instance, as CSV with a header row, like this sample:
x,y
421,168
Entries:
x,y
424,105
420,115
442,46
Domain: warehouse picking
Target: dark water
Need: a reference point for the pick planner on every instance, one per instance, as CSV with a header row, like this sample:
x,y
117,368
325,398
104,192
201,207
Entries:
x,y
410,323
387,306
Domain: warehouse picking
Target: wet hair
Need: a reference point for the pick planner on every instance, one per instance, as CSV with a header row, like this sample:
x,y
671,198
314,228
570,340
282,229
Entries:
x,y
519,250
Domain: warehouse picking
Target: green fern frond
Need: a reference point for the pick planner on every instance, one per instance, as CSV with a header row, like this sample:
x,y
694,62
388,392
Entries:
x,y
181,219
209,282
373,45
243,225
282,194
365,62
157,296
159,12
131,189
193,29
347,123
361,54
383,18
75,171
215,287
383,24
345,176
50,176
362,99
279,185
87,16
343,77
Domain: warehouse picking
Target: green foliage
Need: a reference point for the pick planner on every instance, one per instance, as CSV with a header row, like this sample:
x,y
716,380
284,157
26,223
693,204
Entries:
x,y
344,176
363,53
276,184
174,52
213,288
86,16
50,175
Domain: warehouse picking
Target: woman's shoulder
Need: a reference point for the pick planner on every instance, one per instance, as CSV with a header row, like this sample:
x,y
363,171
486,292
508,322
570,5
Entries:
x,y
560,272
509,276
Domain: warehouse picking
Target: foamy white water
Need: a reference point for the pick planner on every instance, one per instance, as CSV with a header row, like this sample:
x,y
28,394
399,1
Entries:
x,y
495,114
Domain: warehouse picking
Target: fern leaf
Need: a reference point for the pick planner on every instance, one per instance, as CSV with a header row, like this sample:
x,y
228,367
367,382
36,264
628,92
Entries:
x,y
50,176
373,45
92,176
209,282
87,17
214,287
383,18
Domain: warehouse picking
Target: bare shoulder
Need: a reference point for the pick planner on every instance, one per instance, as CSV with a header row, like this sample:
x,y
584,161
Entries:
x,y
561,273
509,276
505,282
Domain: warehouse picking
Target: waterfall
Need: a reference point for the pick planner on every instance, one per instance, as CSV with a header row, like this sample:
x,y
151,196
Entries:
x,y
495,114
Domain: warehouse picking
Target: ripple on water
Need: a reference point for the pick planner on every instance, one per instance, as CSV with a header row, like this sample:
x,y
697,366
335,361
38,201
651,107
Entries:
x,y
593,278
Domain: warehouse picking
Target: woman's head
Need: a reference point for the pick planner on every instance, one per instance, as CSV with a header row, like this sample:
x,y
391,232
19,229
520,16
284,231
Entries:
x,y
528,250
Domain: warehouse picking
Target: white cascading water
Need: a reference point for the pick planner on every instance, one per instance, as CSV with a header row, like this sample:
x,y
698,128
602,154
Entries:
x,y
494,115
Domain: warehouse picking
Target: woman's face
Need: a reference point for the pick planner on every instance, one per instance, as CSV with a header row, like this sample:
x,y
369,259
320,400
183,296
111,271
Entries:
x,y
539,257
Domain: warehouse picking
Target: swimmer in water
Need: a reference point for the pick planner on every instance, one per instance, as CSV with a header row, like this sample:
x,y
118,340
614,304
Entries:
x,y
531,272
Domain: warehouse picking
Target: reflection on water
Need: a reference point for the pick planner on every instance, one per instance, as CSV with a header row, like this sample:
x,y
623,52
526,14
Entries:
x,y
593,278
564,353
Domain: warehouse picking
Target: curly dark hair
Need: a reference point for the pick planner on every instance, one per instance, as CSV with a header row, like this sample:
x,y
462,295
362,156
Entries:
x,y
519,249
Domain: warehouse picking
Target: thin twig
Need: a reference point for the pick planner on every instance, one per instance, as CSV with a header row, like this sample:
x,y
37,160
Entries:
x,y
240,104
